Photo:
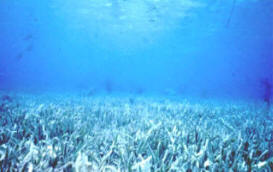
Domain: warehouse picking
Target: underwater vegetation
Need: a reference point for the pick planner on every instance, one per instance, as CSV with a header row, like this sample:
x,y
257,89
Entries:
x,y
102,133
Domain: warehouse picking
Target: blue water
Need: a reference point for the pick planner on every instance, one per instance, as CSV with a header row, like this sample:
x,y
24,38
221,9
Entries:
x,y
188,48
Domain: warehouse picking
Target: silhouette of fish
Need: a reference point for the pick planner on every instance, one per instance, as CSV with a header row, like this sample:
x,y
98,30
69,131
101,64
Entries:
x,y
231,13
19,56
28,37
6,98
29,48
152,20
267,85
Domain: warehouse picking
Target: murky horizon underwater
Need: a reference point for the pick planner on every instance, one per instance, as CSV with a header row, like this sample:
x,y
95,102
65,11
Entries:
x,y
136,85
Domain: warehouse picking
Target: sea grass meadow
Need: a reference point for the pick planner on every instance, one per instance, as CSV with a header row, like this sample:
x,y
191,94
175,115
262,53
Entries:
x,y
136,85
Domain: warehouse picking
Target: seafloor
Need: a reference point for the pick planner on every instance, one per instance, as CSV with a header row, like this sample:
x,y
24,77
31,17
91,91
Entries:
x,y
133,133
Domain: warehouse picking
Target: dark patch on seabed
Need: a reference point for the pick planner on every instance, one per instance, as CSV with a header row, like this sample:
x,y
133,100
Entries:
x,y
132,133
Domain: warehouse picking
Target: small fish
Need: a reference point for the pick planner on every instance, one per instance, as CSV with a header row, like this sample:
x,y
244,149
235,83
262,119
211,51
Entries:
x,y
28,37
19,56
267,86
152,20
29,48
6,98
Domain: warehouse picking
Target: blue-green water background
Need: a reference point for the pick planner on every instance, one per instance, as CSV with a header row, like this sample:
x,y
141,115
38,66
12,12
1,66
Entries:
x,y
193,48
